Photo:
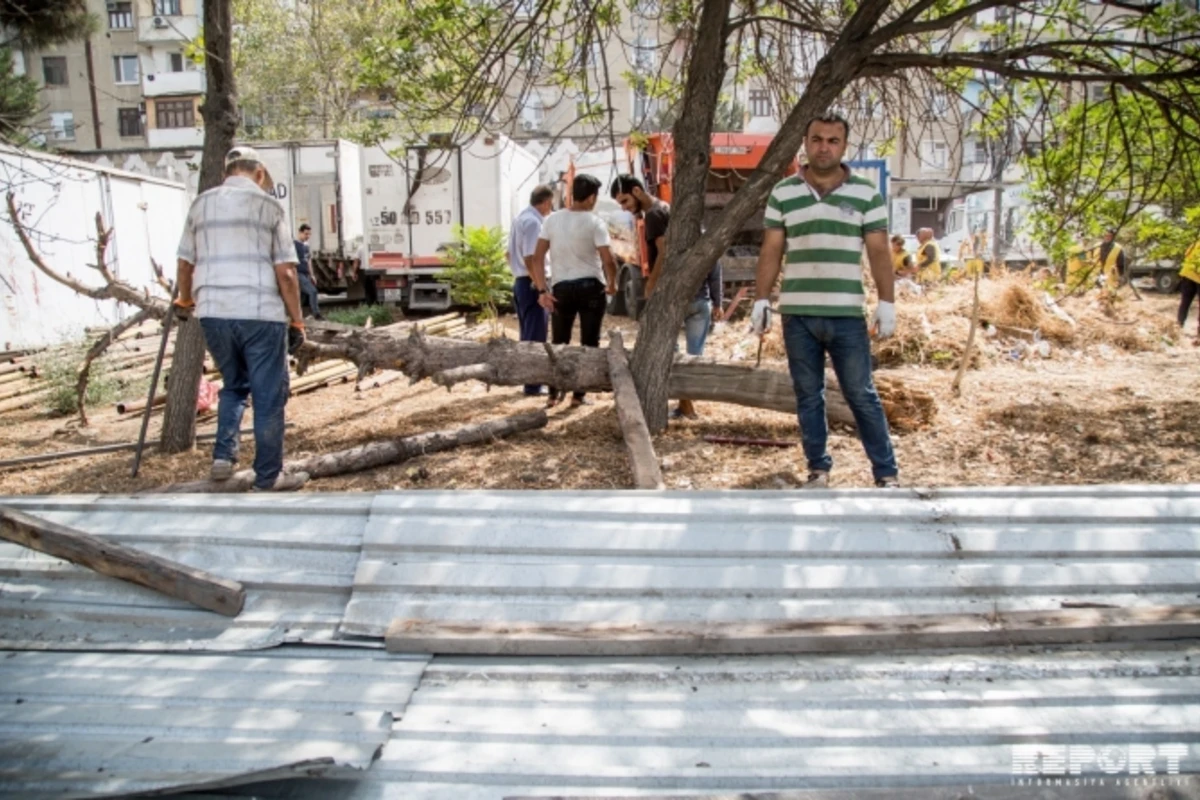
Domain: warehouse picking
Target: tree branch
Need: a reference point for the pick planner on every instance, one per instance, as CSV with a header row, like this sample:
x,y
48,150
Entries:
x,y
96,350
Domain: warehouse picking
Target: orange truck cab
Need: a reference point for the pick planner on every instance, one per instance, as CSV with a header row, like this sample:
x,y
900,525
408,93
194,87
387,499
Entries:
x,y
731,160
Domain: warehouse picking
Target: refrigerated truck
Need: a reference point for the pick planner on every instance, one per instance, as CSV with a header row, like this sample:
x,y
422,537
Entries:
x,y
412,197
319,183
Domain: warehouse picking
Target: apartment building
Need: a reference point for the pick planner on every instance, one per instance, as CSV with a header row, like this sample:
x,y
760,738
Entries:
x,y
129,86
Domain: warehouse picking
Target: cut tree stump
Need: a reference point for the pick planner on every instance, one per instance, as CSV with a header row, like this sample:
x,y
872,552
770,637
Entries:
x,y
642,459
375,454
118,561
504,362
843,635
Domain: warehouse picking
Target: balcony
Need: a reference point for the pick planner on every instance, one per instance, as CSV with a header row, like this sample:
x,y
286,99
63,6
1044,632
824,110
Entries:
x,y
175,137
164,84
173,28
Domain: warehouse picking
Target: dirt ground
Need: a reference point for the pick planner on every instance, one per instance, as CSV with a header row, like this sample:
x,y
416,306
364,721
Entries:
x,y
1112,399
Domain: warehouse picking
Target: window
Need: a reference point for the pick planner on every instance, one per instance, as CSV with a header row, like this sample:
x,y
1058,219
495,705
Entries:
x,y
977,152
120,16
595,56
176,62
934,156
129,120
523,8
54,70
166,8
760,103
62,125
1097,92
175,114
645,56
125,69
533,113
645,108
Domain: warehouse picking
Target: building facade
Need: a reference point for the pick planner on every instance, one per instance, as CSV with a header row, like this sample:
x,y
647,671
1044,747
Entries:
x,y
129,86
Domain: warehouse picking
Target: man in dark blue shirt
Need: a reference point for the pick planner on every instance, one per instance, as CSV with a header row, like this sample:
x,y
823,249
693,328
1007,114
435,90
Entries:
x,y
308,289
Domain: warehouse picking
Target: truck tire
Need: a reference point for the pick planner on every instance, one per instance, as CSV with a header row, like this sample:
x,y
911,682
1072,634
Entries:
x,y
616,303
632,287
1166,281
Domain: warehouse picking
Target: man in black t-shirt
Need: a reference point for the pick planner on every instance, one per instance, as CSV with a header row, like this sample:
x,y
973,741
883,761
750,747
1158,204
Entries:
x,y
656,215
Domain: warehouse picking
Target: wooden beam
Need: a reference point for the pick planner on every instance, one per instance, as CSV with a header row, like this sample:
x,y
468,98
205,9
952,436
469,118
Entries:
x,y
793,636
642,460
118,561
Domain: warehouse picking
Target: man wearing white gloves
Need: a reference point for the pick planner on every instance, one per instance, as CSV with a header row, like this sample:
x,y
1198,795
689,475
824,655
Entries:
x,y
820,219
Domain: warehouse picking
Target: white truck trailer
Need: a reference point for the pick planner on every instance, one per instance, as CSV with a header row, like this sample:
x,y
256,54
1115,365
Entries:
x,y
414,195
319,183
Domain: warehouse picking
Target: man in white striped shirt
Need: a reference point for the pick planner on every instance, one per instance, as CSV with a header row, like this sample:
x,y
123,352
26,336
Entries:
x,y
237,271
821,219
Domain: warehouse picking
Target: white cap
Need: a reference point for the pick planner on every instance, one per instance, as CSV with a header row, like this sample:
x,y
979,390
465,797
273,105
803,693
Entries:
x,y
242,153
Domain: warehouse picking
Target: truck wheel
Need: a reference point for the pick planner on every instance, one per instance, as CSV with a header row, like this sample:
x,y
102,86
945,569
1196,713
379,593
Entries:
x,y
632,288
616,303
1166,281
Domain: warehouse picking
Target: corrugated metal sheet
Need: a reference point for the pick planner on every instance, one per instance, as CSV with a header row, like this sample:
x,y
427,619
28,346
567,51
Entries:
x,y
492,728
295,554
104,724
625,556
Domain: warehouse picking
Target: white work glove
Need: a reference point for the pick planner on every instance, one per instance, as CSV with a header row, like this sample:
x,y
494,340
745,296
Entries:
x,y
760,317
883,321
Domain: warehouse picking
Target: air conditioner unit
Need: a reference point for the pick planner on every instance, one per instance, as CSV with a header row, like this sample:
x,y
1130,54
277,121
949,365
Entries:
x,y
111,6
528,125
159,22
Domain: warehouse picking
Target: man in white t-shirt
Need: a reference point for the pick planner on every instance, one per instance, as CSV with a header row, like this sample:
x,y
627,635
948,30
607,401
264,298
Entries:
x,y
585,274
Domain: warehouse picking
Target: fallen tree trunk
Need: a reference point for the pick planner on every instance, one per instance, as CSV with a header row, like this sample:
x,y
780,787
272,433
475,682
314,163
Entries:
x,y
168,577
584,369
642,460
375,454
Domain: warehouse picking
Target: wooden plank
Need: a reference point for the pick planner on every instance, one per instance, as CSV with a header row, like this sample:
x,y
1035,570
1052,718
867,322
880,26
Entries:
x,y
118,561
849,634
642,460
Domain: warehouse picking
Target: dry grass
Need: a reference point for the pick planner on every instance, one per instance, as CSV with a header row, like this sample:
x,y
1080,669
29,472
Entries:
x,y
1097,410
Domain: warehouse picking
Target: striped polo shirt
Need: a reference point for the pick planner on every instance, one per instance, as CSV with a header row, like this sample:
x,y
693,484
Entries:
x,y
822,272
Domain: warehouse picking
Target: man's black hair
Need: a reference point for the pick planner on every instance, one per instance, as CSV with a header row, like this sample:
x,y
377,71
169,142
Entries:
x,y
831,118
540,194
305,227
625,184
584,187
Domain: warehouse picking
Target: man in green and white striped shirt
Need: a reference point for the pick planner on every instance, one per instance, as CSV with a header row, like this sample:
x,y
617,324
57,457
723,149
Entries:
x,y
817,223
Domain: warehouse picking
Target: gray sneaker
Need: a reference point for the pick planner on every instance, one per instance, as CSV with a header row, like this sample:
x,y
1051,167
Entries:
x,y
890,482
286,482
817,479
221,470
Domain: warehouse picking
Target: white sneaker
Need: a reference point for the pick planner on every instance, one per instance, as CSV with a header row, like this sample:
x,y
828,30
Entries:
x,y
222,470
817,479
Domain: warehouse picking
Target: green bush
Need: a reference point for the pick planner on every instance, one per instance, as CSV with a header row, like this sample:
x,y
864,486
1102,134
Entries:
x,y
379,315
61,372
477,270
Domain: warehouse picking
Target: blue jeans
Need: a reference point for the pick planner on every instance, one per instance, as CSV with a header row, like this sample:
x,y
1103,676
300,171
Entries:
x,y
696,326
252,357
532,318
807,340
308,293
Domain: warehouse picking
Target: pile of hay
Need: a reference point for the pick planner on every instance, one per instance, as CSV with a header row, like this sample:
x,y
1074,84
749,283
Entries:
x,y
908,409
931,339
1014,303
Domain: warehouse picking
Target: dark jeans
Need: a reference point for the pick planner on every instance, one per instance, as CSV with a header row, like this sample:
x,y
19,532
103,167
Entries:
x,y
531,317
252,357
1188,289
807,340
308,293
585,299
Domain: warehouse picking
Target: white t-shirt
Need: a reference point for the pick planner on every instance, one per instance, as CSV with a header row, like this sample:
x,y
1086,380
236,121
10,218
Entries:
x,y
574,237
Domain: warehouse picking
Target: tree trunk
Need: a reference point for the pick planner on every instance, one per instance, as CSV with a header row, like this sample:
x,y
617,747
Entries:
x,y
504,362
220,126
690,255
376,454
642,460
